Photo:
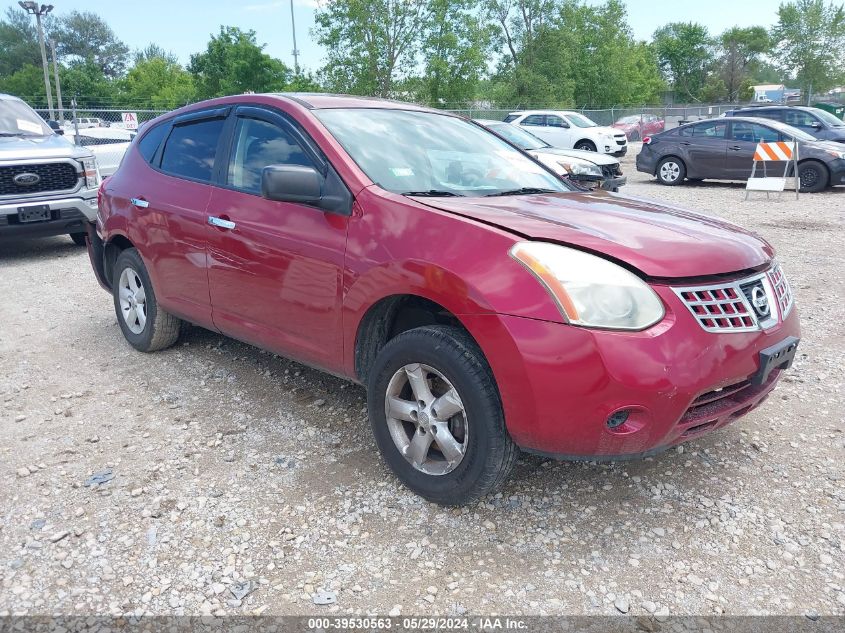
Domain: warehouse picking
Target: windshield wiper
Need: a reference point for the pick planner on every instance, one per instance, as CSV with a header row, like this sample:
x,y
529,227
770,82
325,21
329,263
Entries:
x,y
431,193
521,191
21,134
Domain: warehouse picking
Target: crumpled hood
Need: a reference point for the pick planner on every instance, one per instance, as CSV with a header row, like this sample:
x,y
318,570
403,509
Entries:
x,y
13,148
658,240
593,157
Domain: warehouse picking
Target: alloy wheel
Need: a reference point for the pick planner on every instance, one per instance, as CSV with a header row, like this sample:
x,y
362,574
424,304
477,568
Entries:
x,y
669,171
133,300
426,419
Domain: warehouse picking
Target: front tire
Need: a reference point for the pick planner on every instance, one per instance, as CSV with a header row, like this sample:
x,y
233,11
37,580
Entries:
x,y
671,171
813,176
144,324
79,238
437,417
586,146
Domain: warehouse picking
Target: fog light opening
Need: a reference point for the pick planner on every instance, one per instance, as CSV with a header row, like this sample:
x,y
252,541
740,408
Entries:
x,y
617,419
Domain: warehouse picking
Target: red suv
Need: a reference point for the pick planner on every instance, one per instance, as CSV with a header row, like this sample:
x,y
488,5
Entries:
x,y
485,305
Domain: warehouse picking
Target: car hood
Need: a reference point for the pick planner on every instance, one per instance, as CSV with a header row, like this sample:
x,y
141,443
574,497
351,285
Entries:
x,y
593,157
658,240
14,148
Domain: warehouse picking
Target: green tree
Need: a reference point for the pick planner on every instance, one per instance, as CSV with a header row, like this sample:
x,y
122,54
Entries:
x,y
18,42
83,36
810,36
372,44
742,49
684,51
234,63
154,51
455,44
86,81
27,83
159,83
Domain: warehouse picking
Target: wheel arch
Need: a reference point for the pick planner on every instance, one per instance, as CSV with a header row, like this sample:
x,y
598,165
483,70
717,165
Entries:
x,y
586,140
115,245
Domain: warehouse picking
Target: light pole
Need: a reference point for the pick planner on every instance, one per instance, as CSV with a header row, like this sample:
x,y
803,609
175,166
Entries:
x,y
58,84
38,11
295,50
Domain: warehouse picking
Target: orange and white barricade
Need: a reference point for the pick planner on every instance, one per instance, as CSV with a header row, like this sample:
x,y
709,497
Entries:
x,y
780,152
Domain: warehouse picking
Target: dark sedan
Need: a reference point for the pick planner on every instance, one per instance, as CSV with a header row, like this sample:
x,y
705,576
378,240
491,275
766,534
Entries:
x,y
723,149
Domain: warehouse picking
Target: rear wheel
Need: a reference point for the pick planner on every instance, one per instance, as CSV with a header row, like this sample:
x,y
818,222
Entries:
x,y
671,171
437,416
147,327
813,176
586,146
79,238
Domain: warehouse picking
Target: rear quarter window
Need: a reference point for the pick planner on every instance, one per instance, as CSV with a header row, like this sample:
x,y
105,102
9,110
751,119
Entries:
x,y
151,140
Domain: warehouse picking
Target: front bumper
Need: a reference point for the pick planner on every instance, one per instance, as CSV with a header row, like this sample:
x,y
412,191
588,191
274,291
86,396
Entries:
x,y
613,184
69,214
560,384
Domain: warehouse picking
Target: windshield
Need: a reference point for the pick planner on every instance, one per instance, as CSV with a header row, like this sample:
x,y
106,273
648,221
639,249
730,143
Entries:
x,y
433,154
579,120
828,118
18,119
518,137
629,119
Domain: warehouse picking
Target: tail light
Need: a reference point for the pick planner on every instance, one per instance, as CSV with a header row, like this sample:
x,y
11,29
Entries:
x,y
646,140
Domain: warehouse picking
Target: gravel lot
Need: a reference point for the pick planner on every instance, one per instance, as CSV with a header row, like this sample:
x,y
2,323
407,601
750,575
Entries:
x,y
244,483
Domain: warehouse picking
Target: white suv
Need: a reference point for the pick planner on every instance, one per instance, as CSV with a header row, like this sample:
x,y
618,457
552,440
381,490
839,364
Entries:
x,y
565,129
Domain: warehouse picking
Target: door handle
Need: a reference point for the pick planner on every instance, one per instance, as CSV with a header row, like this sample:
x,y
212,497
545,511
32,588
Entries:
x,y
735,148
139,202
684,143
221,223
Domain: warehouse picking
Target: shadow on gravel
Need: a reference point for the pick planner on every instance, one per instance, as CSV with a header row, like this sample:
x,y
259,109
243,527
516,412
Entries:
x,y
20,250
740,186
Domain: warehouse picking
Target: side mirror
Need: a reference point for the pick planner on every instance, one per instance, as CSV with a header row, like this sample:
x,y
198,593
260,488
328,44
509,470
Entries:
x,y
292,183
54,125
815,125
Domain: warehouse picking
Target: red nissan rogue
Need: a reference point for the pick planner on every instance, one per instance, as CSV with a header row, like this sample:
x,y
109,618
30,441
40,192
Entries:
x,y
486,306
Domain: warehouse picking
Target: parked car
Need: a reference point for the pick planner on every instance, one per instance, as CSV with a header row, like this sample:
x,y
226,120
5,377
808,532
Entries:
x,y
107,144
813,121
638,126
84,123
486,306
723,149
588,169
47,185
571,130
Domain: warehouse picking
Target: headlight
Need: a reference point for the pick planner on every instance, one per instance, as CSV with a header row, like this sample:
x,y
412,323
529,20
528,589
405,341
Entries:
x,y
92,172
581,169
835,154
590,291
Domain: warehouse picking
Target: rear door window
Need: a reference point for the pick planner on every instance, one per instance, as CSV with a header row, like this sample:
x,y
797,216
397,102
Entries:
x,y
150,142
534,119
190,149
710,129
799,118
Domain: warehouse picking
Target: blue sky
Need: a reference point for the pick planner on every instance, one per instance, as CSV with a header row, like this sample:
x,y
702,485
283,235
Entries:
x,y
185,26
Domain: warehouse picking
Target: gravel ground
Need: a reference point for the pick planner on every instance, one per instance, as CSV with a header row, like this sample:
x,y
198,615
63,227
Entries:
x,y
244,483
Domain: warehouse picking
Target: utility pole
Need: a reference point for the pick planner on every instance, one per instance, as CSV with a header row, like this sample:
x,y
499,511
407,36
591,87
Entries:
x,y
58,84
38,11
295,50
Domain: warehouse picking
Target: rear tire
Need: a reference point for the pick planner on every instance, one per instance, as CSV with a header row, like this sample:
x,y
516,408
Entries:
x,y
414,374
671,171
145,325
586,146
79,238
813,176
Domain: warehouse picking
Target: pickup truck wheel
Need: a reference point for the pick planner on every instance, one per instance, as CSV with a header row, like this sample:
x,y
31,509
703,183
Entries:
x,y
812,176
79,238
586,146
437,416
671,171
147,327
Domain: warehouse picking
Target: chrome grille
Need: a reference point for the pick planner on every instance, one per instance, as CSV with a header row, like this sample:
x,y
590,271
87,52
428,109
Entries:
x,y
782,290
728,306
61,176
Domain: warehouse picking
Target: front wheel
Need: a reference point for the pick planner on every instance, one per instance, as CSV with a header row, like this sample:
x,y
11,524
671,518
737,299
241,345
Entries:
x,y
145,325
79,238
671,171
437,416
586,146
812,176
